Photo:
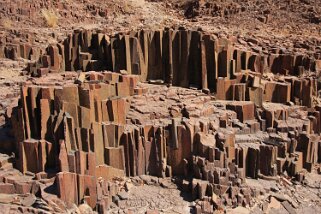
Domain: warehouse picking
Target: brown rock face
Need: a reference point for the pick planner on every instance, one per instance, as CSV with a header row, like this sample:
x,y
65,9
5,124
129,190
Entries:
x,y
87,130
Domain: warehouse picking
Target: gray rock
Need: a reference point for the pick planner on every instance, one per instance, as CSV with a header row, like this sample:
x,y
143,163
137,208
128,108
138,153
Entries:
x,y
115,198
146,179
123,195
29,200
288,207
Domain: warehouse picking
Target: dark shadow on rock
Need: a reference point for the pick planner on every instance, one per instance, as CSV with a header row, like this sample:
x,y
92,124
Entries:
x,y
51,189
7,145
186,195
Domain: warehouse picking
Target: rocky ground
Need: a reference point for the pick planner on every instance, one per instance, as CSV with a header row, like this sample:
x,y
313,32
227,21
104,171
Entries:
x,y
148,193
256,25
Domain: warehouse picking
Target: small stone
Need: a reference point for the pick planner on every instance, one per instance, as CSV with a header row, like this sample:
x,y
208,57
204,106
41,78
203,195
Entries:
x,y
123,72
279,197
275,189
115,198
7,198
146,179
128,186
274,204
123,195
165,183
81,78
288,207
85,208
29,200
206,91
154,180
